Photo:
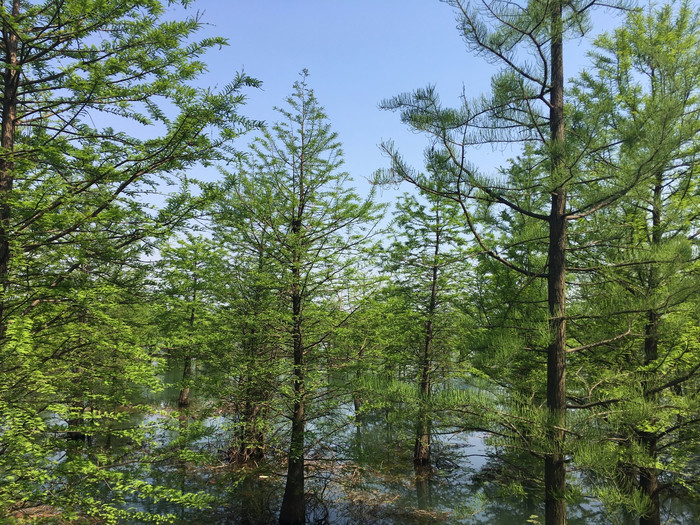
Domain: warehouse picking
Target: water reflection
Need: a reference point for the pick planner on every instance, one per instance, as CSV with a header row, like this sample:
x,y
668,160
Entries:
x,y
357,473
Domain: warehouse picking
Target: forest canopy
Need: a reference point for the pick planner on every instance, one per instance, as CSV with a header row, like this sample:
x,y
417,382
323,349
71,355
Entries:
x,y
518,344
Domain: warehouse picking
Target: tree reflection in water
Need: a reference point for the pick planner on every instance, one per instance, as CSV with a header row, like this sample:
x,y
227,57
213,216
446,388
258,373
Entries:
x,y
360,473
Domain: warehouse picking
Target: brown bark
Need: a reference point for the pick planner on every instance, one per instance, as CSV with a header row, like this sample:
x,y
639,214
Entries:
x,y
11,76
253,446
256,388
649,484
555,467
293,510
421,449
183,400
356,398
423,493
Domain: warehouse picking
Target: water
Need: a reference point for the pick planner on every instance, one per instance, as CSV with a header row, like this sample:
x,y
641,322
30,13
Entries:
x,y
357,473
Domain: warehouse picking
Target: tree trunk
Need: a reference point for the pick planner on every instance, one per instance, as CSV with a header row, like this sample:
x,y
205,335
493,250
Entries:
x,y
11,76
183,400
253,446
649,484
554,466
423,493
357,402
421,450
356,398
648,476
293,511
256,388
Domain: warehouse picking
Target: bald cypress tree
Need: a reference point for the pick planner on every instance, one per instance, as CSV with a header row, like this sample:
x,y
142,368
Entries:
x,y
78,77
296,199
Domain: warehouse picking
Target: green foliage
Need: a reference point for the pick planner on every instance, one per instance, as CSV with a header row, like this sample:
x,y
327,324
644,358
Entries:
x,y
76,344
625,169
286,305
294,232
640,286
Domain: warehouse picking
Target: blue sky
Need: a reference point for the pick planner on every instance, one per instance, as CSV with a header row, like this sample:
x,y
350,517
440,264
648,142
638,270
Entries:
x,y
358,52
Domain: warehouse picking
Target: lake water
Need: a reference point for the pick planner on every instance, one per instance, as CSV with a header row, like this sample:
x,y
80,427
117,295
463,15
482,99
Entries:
x,y
357,473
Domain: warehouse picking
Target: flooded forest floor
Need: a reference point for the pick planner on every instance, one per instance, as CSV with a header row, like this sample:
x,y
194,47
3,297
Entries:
x,y
358,471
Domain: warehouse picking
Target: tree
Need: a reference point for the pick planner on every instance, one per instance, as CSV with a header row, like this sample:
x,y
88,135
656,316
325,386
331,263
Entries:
x,y
185,273
293,194
644,85
625,152
526,107
76,76
425,261
252,319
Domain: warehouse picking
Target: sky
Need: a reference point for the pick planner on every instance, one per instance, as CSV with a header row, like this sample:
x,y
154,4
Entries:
x,y
358,53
